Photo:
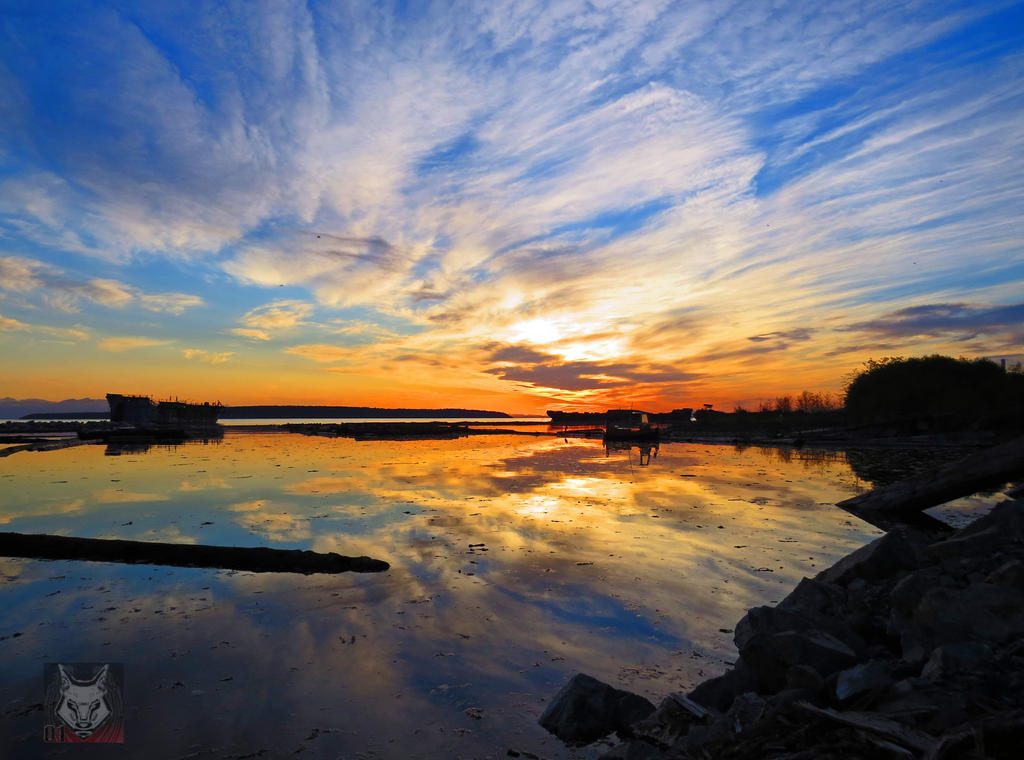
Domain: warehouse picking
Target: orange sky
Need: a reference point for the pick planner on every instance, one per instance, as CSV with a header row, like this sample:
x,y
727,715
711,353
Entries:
x,y
505,206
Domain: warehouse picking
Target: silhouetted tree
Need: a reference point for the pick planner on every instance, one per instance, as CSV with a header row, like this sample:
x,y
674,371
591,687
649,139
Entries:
x,y
937,391
813,402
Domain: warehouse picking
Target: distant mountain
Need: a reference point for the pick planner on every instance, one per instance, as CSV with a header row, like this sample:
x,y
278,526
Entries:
x,y
12,408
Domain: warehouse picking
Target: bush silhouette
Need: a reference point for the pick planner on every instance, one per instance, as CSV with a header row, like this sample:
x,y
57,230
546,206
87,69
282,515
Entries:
x,y
936,392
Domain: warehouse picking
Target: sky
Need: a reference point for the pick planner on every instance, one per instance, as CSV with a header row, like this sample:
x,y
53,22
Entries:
x,y
504,205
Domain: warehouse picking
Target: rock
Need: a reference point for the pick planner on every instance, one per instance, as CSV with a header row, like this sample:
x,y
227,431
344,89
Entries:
x,y
983,612
634,749
867,676
934,709
747,709
907,593
719,693
961,545
955,606
784,701
953,659
1007,516
903,601
914,646
769,620
1009,573
1003,526
586,709
771,655
815,596
666,725
804,677
897,550
760,620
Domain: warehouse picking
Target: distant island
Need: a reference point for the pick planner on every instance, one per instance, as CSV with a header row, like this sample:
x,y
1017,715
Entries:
x,y
266,412
342,412
98,409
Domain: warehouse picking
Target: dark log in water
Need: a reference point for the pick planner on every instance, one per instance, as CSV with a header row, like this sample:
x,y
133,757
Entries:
x,y
983,469
258,559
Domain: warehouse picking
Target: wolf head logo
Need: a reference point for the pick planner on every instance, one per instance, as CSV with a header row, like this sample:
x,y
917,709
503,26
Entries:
x,y
83,704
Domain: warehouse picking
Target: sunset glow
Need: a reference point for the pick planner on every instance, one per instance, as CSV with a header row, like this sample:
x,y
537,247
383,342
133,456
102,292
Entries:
x,y
504,205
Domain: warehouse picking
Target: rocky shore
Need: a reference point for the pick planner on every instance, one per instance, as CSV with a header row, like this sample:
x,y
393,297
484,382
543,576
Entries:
x,y
911,647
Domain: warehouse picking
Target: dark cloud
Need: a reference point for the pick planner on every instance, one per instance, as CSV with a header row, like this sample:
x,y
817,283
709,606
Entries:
x,y
520,355
672,328
451,316
961,320
860,348
581,376
373,250
785,336
426,292
742,354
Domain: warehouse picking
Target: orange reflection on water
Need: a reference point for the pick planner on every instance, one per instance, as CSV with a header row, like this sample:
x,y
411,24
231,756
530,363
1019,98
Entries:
x,y
515,561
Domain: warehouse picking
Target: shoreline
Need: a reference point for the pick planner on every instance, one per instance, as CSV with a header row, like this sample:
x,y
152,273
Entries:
x,y
911,646
822,437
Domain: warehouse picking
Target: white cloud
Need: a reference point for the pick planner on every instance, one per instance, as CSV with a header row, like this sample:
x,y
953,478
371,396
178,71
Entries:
x,y
170,303
129,342
252,333
321,352
64,291
208,357
565,176
263,322
18,274
108,293
9,324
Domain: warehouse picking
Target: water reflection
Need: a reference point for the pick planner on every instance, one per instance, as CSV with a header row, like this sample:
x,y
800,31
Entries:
x,y
117,448
879,467
516,561
645,450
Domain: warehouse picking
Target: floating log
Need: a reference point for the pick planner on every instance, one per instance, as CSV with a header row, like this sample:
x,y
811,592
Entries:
x,y
983,469
256,559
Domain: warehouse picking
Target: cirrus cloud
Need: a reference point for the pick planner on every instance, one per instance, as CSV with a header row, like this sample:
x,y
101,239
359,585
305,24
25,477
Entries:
x,y
64,291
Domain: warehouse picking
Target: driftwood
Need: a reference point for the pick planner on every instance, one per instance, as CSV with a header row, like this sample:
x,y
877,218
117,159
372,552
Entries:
x,y
991,467
258,559
899,734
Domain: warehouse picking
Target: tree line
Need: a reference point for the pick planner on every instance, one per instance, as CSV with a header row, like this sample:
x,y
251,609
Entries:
x,y
932,392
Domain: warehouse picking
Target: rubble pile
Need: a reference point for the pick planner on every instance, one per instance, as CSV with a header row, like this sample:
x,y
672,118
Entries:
x,y
910,647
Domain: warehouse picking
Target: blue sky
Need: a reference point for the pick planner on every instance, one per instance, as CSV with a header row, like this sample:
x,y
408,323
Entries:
x,y
373,203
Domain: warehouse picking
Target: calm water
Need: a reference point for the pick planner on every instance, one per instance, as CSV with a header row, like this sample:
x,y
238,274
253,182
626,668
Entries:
x,y
495,422
516,562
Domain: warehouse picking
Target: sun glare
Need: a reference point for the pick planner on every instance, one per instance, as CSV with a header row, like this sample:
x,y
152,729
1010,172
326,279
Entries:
x,y
539,331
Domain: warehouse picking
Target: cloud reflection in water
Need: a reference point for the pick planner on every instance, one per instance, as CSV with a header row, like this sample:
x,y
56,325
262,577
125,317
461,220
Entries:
x,y
515,562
